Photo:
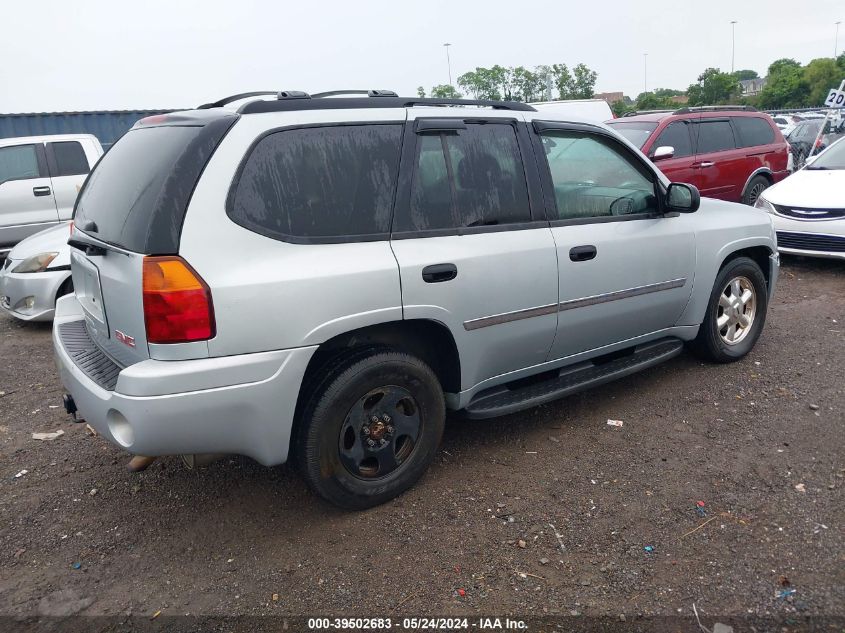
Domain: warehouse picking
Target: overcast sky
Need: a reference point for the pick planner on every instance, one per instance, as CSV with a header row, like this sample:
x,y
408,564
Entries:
x,y
94,54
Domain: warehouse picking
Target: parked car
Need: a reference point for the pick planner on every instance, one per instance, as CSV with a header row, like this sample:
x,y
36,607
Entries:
x,y
39,179
36,273
386,259
808,208
804,139
591,109
732,152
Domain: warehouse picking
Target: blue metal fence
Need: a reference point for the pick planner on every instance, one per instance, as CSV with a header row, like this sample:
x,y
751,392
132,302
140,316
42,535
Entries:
x,y
106,125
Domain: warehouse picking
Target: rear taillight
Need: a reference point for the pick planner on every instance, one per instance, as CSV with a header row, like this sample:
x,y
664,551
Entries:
x,y
177,302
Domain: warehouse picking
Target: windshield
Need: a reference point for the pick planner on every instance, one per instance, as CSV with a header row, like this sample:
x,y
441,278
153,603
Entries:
x,y
833,158
635,131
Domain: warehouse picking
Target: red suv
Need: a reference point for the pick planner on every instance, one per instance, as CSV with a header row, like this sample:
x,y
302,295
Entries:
x,y
730,152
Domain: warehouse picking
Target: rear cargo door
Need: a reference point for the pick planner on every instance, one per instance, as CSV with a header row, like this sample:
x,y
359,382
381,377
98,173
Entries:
x,y
132,205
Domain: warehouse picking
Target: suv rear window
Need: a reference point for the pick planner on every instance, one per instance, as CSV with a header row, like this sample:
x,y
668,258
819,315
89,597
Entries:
x,y
122,193
320,183
753,131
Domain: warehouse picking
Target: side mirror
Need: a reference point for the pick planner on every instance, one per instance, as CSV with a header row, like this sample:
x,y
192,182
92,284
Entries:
x,y
663,152
810,160
682,198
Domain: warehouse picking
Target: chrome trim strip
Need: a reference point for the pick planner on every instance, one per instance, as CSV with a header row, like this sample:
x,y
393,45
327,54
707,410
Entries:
x,y
507,317
622,294
517,315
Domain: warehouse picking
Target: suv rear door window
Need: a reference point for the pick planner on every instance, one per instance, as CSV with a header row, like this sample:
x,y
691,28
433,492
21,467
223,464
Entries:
x,y
715,136
470,177
594,177
675,135
18,162
753,131
68,158
321,182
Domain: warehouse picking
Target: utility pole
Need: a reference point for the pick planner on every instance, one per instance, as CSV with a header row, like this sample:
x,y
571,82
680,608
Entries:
x,y
448,61
733,44
836,42
645,72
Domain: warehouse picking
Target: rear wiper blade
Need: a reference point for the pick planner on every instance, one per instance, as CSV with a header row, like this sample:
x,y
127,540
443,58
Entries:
x,y
481,223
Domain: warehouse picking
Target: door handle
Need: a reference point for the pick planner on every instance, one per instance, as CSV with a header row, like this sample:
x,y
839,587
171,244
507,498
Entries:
x,y
707,163
439,272
40,191
582,253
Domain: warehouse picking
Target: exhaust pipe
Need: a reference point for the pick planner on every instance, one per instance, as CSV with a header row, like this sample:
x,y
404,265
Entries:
x,y
139,463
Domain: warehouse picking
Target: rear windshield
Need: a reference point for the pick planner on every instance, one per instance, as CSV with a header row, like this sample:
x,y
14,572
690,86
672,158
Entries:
x,y
122,193
635,131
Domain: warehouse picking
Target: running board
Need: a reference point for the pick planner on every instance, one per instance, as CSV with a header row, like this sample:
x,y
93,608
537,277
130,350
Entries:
x,y
504,399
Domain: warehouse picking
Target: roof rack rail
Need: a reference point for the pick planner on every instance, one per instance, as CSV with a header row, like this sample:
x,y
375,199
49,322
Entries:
x,y
382,101
237,97
726,108
638,112
369,93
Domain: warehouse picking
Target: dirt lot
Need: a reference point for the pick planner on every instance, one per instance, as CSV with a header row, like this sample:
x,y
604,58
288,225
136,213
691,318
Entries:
x,y
760,442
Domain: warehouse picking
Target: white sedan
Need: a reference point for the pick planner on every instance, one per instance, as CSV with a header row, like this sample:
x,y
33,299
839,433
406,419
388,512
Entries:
x,y
808,207
36,272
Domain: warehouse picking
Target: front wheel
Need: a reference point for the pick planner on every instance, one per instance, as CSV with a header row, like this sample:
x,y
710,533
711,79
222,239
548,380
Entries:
x,y
371,429
757,186
735,313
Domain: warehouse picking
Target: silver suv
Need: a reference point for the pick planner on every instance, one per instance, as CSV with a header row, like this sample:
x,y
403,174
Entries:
x,y
321,277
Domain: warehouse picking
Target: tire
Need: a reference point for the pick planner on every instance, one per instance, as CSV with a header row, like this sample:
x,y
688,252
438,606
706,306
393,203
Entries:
x,y
391,399
757,186
713,343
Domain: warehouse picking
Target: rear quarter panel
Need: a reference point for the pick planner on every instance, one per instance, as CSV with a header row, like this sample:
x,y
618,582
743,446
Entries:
x,y
270,294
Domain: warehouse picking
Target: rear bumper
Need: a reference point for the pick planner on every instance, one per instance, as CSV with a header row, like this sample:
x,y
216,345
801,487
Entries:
x,y
241,404
30,296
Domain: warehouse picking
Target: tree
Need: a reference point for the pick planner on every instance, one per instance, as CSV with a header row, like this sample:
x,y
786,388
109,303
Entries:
x,y
743,75
576,84
667,92
445,91
528,85
820,75
785,86
651,101
481,83
713,87
421,92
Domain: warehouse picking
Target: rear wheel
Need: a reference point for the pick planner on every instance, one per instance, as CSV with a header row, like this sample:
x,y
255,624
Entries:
x,y
370,429
735,314
757,186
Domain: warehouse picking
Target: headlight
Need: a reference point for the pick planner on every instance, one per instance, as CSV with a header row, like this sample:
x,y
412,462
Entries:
x,y
764,204
35,264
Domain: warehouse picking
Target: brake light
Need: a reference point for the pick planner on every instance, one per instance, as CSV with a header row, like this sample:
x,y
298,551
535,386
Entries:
x,y
177,302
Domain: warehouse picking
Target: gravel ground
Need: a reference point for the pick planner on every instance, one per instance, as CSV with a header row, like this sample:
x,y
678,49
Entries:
x,y
759,442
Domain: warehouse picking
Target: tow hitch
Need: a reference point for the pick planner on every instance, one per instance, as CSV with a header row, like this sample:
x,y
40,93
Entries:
x,y
70,406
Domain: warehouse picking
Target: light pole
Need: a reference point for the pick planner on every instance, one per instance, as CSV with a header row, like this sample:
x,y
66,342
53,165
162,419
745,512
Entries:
x,y
836,42
448,61
733,44
645,72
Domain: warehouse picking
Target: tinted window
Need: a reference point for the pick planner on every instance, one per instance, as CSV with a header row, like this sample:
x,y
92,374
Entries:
x,y
18,162
472,178
70,159
675,135
635,131
121,193
320,182
595,177
753,131
714,136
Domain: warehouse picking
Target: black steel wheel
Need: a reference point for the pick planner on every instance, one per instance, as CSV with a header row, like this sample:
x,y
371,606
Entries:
x,y
370,428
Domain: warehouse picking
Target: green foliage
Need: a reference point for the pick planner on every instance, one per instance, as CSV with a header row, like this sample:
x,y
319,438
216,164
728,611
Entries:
x,y
421,92
667,92
651,101
521,84
743,75
445,91
714,87
785,86
620,108
820,75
